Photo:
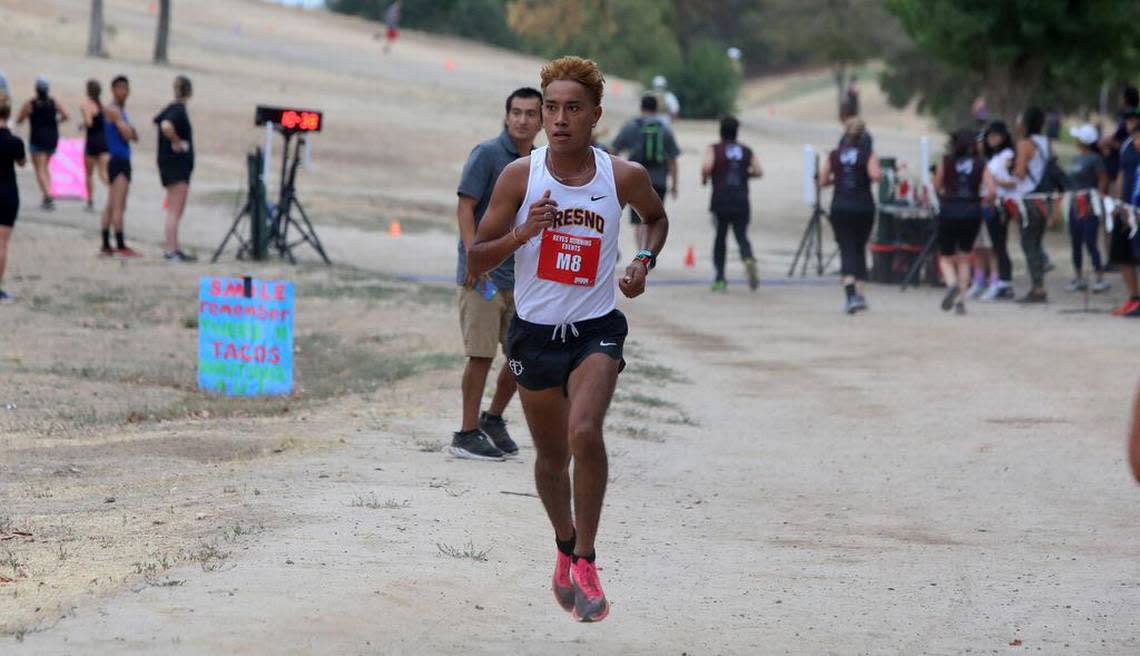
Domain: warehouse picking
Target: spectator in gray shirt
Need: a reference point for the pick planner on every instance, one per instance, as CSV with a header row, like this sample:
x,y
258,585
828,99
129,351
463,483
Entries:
x,y
486,306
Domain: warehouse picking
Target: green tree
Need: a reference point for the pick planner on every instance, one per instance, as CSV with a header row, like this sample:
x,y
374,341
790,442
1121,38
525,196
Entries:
x,y
706,82
1013,51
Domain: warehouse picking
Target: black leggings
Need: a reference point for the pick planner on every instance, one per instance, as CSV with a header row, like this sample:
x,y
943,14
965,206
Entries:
x,y
997,223
738,221
852,230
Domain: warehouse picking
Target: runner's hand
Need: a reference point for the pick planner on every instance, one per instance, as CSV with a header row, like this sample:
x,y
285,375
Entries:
x,y
632,283
540,216
473,282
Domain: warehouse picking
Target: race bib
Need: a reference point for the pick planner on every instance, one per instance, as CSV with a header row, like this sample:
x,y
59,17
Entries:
x,y
569,259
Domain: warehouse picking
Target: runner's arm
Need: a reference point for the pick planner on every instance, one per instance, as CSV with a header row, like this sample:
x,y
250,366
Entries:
x,y
63,116
496,240
25,112
989,187
87,114
940,178
124,128
754,168
1025,152
823,177
707,166
874,171
171,134
635,188
465,215
673,174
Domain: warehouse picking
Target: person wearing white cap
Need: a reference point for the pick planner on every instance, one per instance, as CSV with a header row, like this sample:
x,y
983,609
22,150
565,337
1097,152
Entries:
x,y
668,107
44,115
1088,173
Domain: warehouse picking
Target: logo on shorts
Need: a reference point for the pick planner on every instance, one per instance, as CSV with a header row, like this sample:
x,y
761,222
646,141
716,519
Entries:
x,y
516,367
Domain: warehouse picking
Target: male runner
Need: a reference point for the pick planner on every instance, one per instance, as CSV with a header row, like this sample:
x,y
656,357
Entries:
x,y
486,304
729,165
650,142
559,212
119,135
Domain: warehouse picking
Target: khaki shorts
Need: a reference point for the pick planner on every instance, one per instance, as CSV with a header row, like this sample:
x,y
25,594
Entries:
x,y
484,323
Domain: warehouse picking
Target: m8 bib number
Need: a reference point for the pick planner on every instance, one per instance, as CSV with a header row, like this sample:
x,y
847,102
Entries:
x,y
569,259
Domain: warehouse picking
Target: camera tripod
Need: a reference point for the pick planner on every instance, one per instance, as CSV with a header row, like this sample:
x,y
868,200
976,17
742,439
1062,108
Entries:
x,y
273,231
811,244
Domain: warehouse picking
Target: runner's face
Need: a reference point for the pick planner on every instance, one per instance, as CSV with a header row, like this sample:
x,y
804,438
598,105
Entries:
x,y
121,91
568,116
525,119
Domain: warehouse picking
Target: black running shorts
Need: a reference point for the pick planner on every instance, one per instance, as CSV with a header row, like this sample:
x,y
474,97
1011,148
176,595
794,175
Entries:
x,y
118,166
957,235
1122,251
543,356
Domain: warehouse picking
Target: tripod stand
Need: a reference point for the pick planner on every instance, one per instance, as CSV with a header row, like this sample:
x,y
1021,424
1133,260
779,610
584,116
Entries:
x,y
255,209
283,218
920,259
812,239
273,231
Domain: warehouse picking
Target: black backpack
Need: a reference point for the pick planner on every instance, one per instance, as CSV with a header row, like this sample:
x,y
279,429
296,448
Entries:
x,y
1053,177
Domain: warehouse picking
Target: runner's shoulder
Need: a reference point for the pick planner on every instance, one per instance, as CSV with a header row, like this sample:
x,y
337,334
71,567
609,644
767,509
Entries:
x,y
515,175
627,172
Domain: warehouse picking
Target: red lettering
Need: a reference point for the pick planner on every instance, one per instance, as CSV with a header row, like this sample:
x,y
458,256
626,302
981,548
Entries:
x,y
215,287
275,355
231,352
217,349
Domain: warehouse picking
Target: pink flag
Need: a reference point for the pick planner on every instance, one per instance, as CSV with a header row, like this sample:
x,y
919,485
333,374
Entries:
x,y
68,175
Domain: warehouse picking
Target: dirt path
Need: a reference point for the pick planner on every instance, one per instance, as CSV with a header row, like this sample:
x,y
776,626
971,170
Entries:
x,y
784,479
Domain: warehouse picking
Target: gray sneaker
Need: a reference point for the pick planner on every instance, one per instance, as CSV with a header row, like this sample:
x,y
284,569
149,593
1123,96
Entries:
x,y
496,429
852,305
474,445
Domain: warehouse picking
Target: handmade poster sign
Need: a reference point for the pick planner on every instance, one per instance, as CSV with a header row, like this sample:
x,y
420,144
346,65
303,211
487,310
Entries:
x,y
245,336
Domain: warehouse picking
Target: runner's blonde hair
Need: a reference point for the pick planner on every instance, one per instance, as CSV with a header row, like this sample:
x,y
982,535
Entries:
x,y
576,69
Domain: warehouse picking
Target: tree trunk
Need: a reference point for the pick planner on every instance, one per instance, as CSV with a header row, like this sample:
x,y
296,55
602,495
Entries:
x,y
162,36
95,31
839,70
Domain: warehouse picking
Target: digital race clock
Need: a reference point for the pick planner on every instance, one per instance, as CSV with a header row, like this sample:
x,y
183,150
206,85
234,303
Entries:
x,y
289,119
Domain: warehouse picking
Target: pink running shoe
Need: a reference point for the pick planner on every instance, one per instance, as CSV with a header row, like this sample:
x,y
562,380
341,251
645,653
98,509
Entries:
x,y
561,584
590,603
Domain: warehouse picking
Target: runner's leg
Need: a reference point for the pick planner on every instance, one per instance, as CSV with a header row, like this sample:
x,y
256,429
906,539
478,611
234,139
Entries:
x,y
547,414
591,389
720,246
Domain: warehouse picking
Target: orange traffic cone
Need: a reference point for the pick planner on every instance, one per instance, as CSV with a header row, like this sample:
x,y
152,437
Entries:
x,y
690,257
394,228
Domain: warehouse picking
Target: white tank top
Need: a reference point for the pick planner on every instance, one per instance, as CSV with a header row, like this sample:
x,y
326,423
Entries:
x,y
1036,169
565,274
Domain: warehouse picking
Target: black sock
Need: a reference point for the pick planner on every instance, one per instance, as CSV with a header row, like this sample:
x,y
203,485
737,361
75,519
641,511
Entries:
x,y
119,239
567,547
495,418
589,559
850,289
464,433
106,239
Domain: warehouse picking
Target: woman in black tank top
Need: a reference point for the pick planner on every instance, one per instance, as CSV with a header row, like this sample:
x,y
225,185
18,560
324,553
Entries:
x,y
958,180
44,115
95,151
851,168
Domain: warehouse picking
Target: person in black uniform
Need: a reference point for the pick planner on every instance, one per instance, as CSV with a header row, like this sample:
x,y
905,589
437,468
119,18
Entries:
x,y
11,155
175,163
95,151
852,167
958,180
729,165
44,115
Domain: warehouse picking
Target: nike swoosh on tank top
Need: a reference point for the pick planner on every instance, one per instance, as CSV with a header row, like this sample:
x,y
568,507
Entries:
x,y
565,274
